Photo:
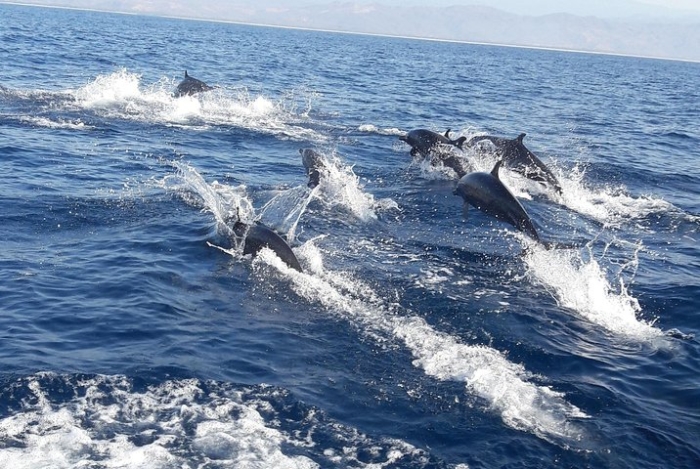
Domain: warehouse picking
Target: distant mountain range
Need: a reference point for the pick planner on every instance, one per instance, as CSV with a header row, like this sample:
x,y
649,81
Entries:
x,y
664,37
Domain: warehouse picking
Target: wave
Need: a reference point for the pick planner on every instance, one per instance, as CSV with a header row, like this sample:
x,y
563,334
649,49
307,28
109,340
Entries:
x,y
122,95
58,123
68,421
581,284
373,129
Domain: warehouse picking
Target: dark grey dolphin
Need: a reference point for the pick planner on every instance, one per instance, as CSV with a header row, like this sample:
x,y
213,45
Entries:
x,y
424,141
435,147
521,160
189,86
486,192
257,236
314,163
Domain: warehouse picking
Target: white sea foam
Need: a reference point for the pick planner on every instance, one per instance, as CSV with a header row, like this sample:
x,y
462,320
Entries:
x,y
122,95
609,205
170,420
373,129
103,421
485,371
582,285
56,123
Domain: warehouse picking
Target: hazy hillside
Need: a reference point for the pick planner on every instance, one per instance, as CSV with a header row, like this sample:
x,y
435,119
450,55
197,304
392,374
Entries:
x,y
661,38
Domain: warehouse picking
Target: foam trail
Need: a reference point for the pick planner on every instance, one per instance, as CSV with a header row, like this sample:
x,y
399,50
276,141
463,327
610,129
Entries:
x,y
582,285
485,371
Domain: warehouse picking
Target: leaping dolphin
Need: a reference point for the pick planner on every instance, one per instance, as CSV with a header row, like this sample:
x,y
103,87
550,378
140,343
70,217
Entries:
x,y
257,236
521,160
314,163
486,192
435,147
189,86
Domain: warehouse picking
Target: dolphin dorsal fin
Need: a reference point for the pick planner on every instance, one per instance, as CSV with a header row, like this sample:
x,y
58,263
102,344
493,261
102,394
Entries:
x,y
497,166
447,133
521,137
186,75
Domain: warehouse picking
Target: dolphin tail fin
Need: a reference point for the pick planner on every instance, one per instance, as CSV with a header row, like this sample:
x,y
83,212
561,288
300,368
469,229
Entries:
x,y
459,142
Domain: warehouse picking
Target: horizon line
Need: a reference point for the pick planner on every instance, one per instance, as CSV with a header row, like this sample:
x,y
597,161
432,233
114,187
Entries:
x,y
357,33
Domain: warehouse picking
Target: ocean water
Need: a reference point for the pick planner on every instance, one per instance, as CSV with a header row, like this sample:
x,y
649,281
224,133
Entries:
x,y
135,334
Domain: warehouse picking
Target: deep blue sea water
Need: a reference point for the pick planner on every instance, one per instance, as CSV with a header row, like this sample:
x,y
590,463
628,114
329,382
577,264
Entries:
x,y
134,334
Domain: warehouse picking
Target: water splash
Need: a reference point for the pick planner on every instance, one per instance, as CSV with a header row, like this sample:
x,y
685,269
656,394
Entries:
x,y
339,188
122,95
581,284
225,202
111,422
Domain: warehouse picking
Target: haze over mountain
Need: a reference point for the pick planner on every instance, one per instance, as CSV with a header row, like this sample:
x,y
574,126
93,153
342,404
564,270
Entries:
x,y
629,27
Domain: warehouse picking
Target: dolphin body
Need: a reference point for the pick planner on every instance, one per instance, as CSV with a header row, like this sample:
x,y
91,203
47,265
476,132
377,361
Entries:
x,y
190,86
432,145
314,163
257,236
486,192
521,160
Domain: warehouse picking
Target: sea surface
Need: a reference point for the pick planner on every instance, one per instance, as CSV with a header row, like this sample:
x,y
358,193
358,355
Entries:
x,y
135,334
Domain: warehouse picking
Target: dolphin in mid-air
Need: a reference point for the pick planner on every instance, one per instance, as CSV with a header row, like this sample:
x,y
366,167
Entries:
x,y
257,236
190,86
314,163
435,147
486,192
521,160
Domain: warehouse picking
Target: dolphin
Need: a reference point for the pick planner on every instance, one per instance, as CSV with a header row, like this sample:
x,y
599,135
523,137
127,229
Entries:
x,y
257,236
190,86
424,141
434,146
521,160
314,163
486,192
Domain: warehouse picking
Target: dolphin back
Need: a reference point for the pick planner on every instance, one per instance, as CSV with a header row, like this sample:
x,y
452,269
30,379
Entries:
x,y
259,236
486,192
189,86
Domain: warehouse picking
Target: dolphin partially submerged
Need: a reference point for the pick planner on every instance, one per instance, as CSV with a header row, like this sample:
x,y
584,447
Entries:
x,y
435,147
424,142
257,236
520,159
189,86
486,192
314,163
